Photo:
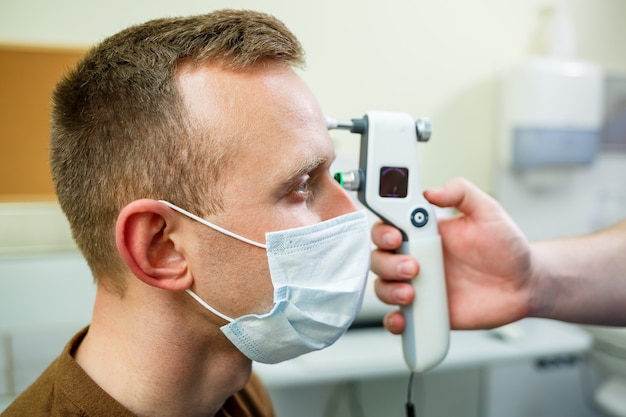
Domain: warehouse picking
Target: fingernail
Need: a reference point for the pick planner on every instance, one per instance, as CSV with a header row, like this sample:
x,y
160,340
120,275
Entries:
x,y
388,240
406,269
391,322
400,296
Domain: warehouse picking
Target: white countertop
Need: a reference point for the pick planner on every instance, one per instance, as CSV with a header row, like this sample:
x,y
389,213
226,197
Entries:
x,y
369,353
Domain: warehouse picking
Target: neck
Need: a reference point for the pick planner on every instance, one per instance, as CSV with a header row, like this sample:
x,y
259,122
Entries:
x,y
150,359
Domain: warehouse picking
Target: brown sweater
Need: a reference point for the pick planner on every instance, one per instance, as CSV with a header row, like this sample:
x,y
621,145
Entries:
x,y
64,389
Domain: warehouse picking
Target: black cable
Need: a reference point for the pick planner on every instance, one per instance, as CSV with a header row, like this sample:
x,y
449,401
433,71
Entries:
x,y
410,407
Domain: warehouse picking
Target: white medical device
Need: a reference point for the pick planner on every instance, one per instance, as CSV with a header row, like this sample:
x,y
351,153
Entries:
x,y
388,184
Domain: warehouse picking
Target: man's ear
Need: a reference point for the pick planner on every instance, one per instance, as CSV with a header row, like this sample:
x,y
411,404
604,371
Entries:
x,y
143,234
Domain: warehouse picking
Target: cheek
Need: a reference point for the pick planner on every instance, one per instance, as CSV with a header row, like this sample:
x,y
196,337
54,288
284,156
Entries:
x,y
292,216
234,277
251,277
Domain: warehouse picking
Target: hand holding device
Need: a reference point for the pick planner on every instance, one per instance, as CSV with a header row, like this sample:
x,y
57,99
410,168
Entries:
x,y
388,184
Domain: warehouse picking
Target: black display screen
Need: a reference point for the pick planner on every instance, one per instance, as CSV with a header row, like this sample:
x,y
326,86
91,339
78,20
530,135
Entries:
x,y
394,182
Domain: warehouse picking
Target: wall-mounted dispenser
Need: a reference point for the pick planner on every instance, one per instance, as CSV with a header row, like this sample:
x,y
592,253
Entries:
x,y
551,113
550,108
550,118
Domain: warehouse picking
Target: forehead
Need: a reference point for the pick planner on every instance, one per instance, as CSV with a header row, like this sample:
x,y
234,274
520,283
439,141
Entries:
x,y
228,98
267,115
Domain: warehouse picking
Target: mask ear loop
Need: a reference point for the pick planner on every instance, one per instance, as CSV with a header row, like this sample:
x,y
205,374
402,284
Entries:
x,y
218,229
208,307
213,226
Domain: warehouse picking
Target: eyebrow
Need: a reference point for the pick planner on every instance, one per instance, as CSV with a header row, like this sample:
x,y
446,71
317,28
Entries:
x,y
308,166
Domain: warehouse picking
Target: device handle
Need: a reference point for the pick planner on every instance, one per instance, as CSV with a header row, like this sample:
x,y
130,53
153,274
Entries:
x,y
426,337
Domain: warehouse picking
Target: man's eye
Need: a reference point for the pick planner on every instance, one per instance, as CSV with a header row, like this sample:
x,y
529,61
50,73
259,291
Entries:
x,y
303,187
303,190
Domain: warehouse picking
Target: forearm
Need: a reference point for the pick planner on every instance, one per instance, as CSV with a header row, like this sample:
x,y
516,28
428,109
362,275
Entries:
x,y
581,279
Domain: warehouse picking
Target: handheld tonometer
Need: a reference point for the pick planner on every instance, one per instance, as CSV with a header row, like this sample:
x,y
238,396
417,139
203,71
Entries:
x,y
388,184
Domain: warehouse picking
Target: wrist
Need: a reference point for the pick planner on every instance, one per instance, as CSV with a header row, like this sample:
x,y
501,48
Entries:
x,y
542,287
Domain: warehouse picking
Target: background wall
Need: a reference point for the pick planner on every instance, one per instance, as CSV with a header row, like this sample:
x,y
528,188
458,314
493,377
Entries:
x,y
428,58
435,58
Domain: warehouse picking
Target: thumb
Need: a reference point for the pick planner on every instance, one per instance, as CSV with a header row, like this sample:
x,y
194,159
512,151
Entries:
x,y
464,196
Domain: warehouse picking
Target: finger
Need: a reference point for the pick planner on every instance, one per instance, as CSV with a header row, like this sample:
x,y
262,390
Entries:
x,y
392,266
394,292
394,322
386,237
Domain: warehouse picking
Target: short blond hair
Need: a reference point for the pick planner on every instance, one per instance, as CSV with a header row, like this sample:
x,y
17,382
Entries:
x,y
120,131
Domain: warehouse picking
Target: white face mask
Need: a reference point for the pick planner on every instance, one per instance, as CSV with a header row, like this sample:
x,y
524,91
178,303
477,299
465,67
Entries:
x,y
319,274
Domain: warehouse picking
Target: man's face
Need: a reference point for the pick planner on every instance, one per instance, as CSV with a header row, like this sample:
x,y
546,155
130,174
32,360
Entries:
x,y
279,178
